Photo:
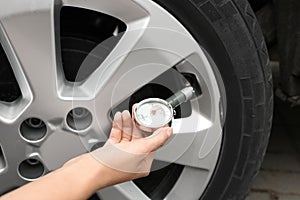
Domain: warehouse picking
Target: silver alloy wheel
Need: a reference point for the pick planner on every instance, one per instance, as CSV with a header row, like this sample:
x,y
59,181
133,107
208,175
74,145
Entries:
x,y
28,36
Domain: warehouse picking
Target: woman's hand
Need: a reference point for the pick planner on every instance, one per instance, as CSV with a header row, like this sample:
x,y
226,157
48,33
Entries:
x,y
128,155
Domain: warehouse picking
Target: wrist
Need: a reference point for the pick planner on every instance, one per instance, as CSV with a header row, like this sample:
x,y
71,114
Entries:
x,y
96,174
86,173
99,176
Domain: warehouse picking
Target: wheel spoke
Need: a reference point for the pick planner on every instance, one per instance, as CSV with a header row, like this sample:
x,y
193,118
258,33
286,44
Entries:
x,y
188,149
14,151
10,112
126,10
124,191
194,140
190,177
31,35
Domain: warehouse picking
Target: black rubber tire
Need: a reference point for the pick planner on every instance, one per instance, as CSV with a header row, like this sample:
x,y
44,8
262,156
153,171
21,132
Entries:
x,y
229,31
257,4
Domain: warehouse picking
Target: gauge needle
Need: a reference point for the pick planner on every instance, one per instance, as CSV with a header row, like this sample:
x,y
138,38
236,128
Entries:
x,y
153,112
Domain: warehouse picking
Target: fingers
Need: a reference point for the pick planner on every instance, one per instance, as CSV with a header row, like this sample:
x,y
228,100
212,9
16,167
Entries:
x,y
127,126
124,130
158,139
116,131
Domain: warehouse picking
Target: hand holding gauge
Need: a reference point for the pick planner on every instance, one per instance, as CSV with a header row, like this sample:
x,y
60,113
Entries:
x,y
154,113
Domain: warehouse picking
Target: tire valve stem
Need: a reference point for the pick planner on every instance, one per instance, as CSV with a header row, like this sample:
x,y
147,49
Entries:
x,y
116,31
181,97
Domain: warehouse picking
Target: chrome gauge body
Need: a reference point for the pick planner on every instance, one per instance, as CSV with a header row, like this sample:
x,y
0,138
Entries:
x,y
152,114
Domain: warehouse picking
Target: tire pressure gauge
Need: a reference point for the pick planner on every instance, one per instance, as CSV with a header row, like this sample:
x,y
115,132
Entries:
x,y
154,113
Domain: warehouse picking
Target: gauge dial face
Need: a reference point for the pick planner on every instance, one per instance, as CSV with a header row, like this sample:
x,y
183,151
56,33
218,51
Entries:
x,y
153,114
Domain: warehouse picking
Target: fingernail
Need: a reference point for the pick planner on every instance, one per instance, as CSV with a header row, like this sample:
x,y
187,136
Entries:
x,y
126,112
169,131
117,115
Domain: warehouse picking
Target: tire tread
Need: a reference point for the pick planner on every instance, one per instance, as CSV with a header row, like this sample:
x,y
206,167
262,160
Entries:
x,y
256,88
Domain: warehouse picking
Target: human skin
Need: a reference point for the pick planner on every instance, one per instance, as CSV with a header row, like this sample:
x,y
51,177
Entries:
x,y
79,178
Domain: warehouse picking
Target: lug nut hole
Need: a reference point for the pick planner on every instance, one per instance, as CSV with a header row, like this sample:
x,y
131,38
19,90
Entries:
x,y
79,119
33,129
34,123
32,161
31,169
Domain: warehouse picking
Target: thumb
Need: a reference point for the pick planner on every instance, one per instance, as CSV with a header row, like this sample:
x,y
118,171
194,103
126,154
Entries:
x,y
158,138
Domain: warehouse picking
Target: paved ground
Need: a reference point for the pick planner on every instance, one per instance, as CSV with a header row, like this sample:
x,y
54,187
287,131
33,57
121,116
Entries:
x,y
279,177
